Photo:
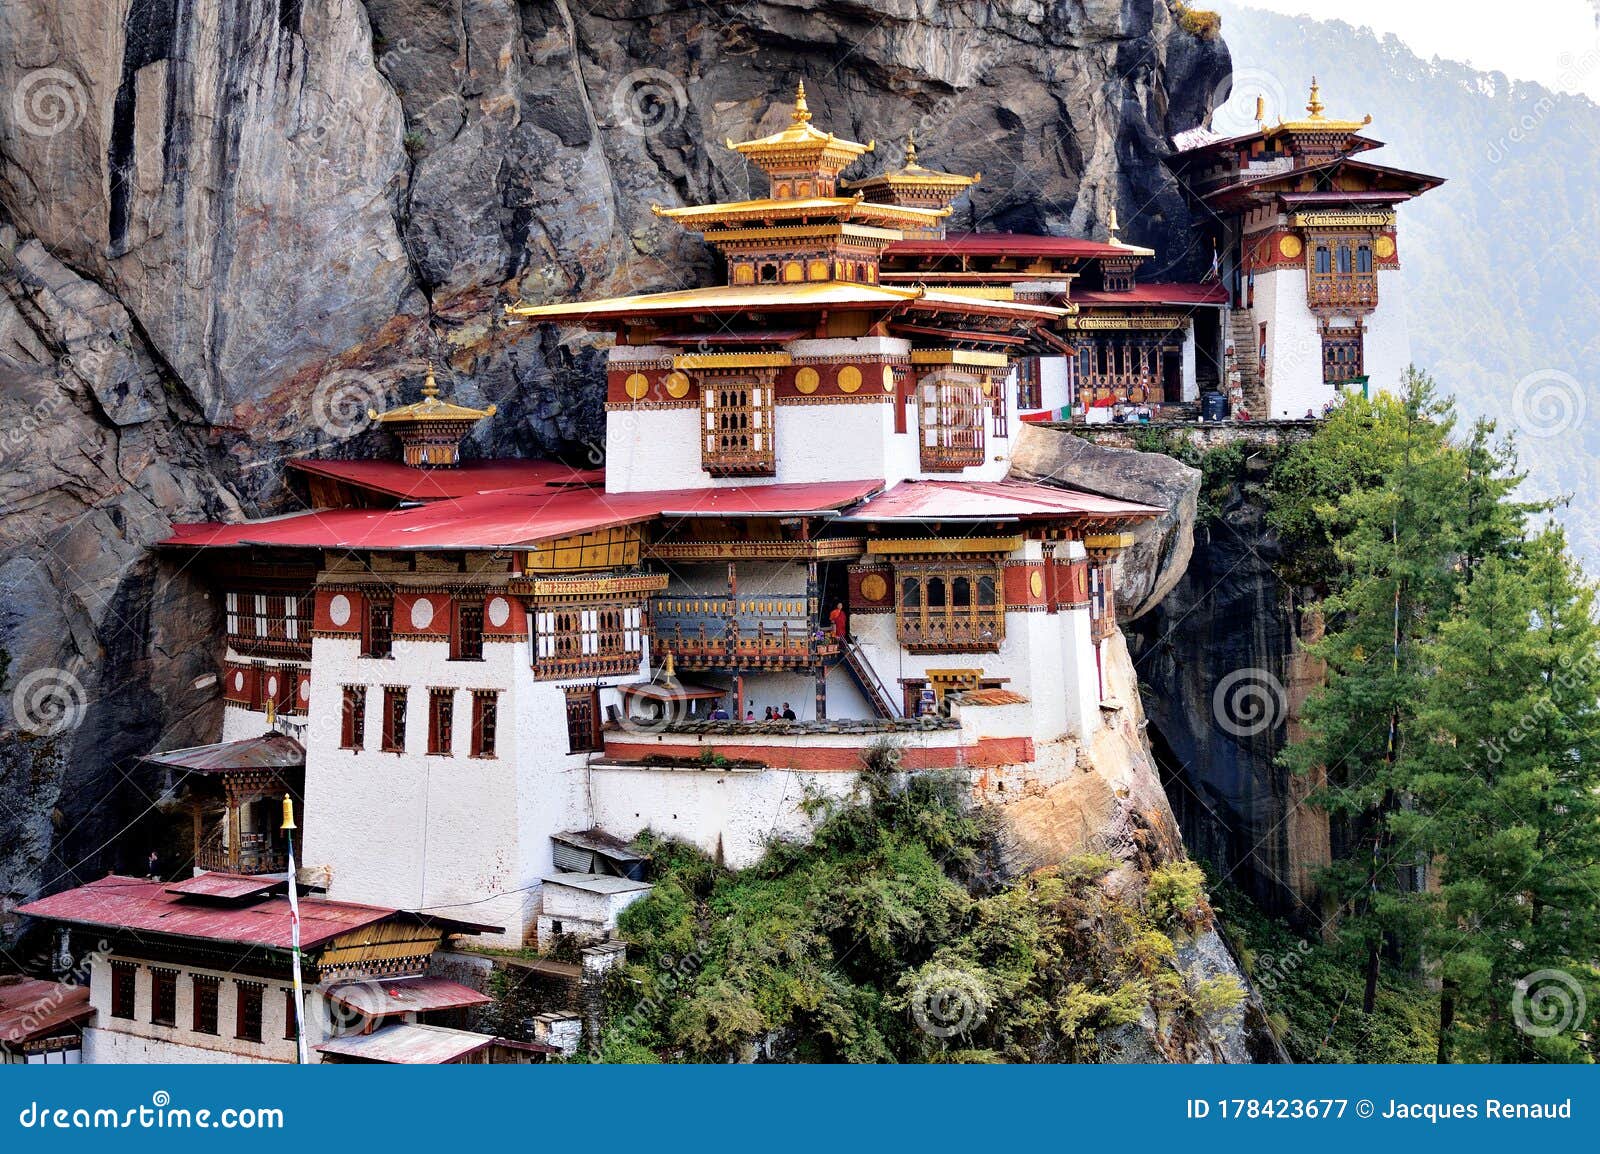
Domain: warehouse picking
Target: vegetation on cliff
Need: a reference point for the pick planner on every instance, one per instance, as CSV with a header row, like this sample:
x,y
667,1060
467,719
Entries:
x,y
885,939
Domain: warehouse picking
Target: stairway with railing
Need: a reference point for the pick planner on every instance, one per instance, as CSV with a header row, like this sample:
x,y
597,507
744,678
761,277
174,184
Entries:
x,y
855,660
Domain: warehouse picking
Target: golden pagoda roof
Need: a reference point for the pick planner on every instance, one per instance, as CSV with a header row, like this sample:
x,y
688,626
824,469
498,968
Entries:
x,y
801,139
771,208
430,408
912,174
1314,121
801,295
1113,228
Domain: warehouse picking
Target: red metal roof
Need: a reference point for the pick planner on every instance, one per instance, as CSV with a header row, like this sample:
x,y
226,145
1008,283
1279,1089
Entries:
x,y
1003,244
226,886
31,1008
269,751
394,479
139,904
991,500
1157,293
405,995
521,516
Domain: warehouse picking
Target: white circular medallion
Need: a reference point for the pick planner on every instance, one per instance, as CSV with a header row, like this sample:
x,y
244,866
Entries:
x,y
499,612
339,609
421,613
272,686
238,680
305,691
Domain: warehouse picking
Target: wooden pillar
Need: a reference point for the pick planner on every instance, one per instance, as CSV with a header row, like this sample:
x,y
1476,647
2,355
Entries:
x,y
234,830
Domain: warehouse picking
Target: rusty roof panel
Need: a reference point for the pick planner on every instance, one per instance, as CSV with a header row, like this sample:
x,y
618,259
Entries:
x,y
408,1044
405,995
30,1008
269,751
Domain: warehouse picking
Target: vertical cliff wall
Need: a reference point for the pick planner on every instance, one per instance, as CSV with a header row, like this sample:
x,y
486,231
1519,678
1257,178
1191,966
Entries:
x,y
226,231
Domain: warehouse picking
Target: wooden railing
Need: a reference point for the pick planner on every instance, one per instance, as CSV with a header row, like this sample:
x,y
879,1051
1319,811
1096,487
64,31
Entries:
x,y
725,632
1333,290
957,632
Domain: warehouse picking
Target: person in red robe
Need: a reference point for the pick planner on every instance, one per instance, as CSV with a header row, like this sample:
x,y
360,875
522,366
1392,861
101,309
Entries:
x,y
838,619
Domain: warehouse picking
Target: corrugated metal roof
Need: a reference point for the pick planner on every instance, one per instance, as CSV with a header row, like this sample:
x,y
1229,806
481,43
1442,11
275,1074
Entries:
x,y
405,995
408,1044
600,842
139,904
512,517
269,751
990,500
604,884
989,697
226,886
31,1008
1157,293
394,479
1003,244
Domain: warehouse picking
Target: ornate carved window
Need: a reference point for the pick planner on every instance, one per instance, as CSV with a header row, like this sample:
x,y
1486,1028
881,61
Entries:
x,y
466,634
377,634
353,718
205,1004
950,607
247,1011
394,719
588,639
736,429
1340,273
124,985
441,722
268,622
583,719
1343,355
163,997
1028,386
951,412
485,719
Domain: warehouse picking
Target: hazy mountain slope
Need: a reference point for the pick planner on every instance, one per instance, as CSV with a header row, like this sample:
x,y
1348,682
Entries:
x,y
1503,284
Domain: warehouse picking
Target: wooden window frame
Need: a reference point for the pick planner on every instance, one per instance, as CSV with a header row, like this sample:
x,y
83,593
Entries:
x,y
1343,355
163,996
207,1008
353,718
125,990
1029,384
441,722
737,435
588,638
249,1011
978,626
466,630
377,627
583,719
485,722
394,719
952,414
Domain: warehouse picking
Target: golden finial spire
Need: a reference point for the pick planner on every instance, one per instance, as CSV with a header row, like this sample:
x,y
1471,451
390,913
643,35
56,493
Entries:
x,y
1315,105
911,148
801,112
430,387
1113,227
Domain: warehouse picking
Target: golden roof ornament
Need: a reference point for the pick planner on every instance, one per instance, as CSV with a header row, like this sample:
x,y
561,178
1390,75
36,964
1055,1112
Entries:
x,y
802,112
430,408
911,149
1315,121
1315,105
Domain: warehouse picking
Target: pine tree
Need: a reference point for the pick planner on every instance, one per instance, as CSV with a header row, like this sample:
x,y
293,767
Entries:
x,y
1404,544
1504,783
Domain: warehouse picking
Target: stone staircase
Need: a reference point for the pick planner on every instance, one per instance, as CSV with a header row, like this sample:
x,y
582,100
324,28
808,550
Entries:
x,y
1246,350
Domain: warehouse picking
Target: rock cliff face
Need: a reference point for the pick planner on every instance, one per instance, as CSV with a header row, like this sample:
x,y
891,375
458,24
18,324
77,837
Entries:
x,y
225,231
1223,673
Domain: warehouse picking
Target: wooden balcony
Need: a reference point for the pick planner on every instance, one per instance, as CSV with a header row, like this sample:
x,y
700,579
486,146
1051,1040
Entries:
x,y
1352,291
957,632
740,633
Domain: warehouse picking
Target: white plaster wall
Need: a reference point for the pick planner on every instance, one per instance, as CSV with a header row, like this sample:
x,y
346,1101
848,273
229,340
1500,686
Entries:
x,y
1052,383
1189,387
1388,344
139,1041
458,836
1294,345
562,901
